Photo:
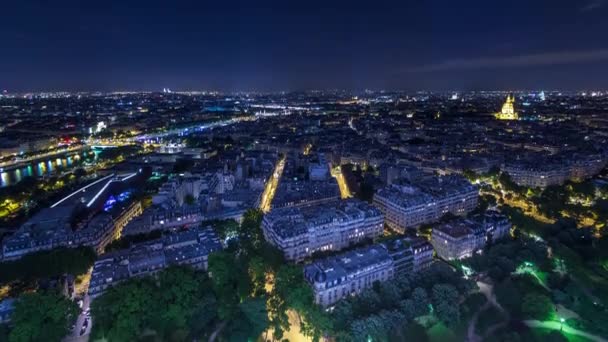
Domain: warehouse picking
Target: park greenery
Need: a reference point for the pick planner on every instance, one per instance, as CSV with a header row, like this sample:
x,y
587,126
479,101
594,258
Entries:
x,y
556,264
233,304
550,264
250,291
386,311
48,264
41,317
545,266
162,308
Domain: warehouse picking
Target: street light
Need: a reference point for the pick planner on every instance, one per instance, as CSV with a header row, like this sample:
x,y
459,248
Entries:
x,y
562,320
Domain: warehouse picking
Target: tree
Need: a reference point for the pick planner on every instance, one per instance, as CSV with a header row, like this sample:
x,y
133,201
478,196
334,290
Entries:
x,y
371,327
403,283
493,171
250,322
537,306
179,289
230,282
412,331
389,294
123,311
3,333
225,229
42,317
48,264
445,302
408,309
470,175
367,303
257,274
250,234
343,314
203,318
176,303
421,302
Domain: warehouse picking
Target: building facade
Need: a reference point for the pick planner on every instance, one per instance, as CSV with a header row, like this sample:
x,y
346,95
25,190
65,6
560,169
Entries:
x,y
301,231
406,205
191,248
410,255
349,273
531,173
462,238
334,278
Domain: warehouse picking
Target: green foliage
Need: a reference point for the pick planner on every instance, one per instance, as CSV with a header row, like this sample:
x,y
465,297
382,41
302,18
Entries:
x,y
445,302
124,311
411,332
118,152
421,302
257,273
472,303
509,185
251,236
377,327
225,229
501,259
509,296
230,282
3,333
180,288
42,317
248,323
537,306
204,317
511,291
522,221
382,311
470,175
48,264
177,302
552,200
255,311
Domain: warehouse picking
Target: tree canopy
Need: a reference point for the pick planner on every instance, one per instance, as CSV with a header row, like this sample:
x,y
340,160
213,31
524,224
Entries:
x,y
41,317
48,264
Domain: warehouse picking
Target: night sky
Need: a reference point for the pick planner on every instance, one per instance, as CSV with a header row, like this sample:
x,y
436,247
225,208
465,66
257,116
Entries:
x,y
296,45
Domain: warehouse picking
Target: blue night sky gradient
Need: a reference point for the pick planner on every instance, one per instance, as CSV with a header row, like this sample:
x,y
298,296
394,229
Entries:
x,y
292,45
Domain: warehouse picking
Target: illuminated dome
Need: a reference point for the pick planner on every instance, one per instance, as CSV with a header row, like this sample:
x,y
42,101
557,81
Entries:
x,y
508,110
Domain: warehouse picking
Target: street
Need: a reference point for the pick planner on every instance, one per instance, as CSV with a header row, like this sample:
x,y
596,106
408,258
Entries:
x,y
271,186
75,335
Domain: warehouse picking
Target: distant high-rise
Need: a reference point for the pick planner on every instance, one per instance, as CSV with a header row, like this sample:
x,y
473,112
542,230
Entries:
x,y
541,96
508,111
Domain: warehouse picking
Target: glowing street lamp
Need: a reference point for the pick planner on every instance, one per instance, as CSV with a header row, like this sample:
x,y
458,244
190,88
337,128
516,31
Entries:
x,y
562,320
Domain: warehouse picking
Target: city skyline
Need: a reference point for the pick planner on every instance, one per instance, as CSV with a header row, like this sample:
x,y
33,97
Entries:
x,y
319,171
